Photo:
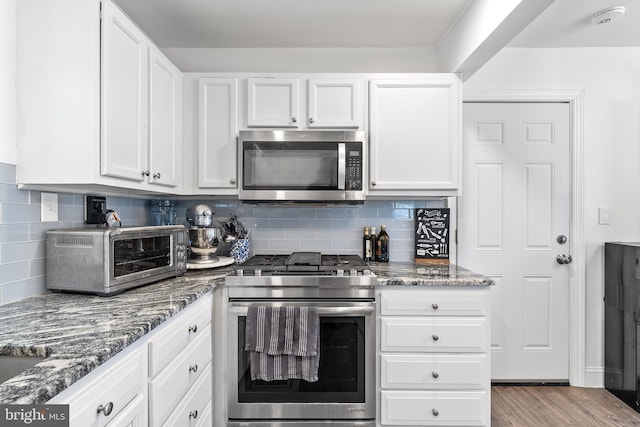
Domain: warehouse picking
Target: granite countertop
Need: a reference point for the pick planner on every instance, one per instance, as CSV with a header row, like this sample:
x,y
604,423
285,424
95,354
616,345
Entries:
x,y
406,273
77,333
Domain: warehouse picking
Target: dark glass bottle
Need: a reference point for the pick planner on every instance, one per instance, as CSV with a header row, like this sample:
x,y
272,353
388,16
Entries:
x,y
366,246
372,239
382,245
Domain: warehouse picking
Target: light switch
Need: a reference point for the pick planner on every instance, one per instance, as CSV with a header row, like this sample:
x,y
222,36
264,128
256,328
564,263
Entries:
x,y
603,216
49,207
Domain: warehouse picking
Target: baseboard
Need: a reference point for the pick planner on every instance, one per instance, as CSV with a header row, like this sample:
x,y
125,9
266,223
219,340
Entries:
x,y
594,377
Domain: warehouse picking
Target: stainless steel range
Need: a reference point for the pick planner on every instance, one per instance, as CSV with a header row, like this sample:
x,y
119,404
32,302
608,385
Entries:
x,y
342,290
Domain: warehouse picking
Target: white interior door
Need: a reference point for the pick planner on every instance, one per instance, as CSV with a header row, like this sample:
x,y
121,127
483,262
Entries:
x,y
515,204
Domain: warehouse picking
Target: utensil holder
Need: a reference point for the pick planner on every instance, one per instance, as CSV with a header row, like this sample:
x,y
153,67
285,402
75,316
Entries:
x,y
240,250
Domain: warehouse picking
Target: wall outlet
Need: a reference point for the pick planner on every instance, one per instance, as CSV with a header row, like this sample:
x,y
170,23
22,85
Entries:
x,y
49,207
603,216
95,209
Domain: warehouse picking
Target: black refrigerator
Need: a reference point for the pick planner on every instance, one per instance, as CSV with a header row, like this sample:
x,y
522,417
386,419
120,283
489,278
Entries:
x,y
622,321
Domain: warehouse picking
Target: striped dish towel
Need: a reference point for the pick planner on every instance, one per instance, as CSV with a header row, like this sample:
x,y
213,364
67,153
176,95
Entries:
x,y
283,342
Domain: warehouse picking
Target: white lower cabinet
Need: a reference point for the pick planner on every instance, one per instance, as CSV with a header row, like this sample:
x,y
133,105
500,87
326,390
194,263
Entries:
x,y
435,408
163,379
434,357
114,395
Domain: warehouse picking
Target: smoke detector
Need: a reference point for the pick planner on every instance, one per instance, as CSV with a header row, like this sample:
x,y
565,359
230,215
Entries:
x,y
607,16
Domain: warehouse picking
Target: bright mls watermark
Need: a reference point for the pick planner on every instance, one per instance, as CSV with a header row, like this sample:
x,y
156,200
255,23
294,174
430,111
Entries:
x,y
34,415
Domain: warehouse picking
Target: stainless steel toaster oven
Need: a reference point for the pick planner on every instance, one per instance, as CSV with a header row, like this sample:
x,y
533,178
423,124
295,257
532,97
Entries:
x,y
106,261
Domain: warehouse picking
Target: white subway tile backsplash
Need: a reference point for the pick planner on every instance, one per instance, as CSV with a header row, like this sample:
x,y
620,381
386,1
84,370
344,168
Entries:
x,y
274,229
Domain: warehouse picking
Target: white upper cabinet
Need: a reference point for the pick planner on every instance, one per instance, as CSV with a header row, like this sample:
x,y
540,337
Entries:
x,y
165,121
99,106
272,102
217,132
331,102
124,91
414,135
334,103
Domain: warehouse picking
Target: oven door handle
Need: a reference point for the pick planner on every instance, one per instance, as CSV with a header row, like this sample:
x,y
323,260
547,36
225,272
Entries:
x,y
242,310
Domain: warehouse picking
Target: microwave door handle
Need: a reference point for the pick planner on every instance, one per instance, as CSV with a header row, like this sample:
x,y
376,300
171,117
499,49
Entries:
x,y
342,165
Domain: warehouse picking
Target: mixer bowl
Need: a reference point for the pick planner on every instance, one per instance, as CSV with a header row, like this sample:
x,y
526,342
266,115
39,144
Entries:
x,y
204,241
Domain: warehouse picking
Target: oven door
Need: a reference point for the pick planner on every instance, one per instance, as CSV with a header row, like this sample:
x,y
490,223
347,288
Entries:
x,y
346,386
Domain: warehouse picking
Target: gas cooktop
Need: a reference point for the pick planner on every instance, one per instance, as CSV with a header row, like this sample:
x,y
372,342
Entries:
x,y
304,262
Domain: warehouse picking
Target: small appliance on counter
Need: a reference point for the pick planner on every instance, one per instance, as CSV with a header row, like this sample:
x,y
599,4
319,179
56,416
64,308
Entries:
x,y
107,261
204,239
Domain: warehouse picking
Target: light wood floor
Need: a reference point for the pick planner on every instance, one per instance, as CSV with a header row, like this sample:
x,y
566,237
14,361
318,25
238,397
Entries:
x,y
536,406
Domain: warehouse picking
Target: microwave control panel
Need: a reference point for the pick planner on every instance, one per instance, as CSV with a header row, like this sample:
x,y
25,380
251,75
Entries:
x,y
354,166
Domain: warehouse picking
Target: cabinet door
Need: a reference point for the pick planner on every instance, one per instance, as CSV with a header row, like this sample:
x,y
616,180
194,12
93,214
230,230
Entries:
x,y
272,102
165,121
414,134
124,96
218,130
334,103
133,415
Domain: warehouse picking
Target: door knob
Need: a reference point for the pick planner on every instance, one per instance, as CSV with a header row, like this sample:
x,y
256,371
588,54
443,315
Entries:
x,y
564,259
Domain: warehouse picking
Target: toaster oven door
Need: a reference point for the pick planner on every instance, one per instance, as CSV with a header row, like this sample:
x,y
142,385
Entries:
x,y
140,258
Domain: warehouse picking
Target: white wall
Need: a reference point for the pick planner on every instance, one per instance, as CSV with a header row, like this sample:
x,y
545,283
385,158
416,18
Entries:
x,y
305,60
610,78
7,81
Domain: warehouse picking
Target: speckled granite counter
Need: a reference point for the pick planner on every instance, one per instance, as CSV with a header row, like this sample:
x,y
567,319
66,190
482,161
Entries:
x,y
77,333
398,274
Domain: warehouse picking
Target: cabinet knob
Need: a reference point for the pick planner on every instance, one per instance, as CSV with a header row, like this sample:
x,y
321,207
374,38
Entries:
x,y
145,173
156,175
434,306
106,409
193,368
435,412
232,181
193,414
193,328
435,375
373,183
294,120
312,120
435,337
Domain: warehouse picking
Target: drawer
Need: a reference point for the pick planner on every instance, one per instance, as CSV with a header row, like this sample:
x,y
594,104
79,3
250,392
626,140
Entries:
x,y
431,334
118,386
435,371
428,302
168,388
166,345
441,408
192,410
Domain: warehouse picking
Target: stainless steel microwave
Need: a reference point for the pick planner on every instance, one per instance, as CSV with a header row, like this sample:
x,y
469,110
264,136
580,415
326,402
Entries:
x,y
302,166
106,261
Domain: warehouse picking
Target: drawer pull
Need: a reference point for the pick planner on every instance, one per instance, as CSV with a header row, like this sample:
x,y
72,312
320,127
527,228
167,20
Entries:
x,y
193,368
434,306
193,328
435,412
193,414
435,375
106,410
435,337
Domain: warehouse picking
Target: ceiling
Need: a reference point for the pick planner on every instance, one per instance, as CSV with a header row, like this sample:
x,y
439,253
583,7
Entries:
x,y
294,23
567,23
362,23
